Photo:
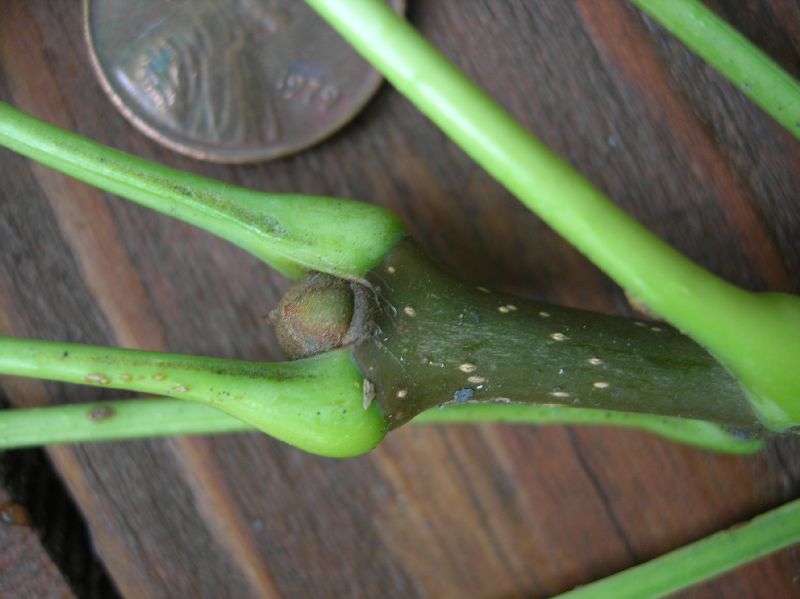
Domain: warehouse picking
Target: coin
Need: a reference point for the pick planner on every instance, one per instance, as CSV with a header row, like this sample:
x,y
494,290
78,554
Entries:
x,y
227,80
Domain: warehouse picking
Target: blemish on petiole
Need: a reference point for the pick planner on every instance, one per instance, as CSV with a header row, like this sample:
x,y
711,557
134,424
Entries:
x,y
463,395
96,379
100,413
369,393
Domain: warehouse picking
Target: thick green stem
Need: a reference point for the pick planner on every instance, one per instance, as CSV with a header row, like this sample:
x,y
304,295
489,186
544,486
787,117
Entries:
x,y
732,55
293,233
314,404
702,560
438,340
424,339
756,336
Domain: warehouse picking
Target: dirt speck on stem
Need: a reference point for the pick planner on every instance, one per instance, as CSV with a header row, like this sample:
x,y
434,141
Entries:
x,y
100,413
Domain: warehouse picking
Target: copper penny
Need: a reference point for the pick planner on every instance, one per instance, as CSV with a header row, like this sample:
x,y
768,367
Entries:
x,y
227,80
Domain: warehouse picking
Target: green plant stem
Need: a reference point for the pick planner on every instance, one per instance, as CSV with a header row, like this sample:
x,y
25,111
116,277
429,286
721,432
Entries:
x,y
137,418
293,233
155,417
697,433
314,404
756,336
702,560
498,348
440,340
730,53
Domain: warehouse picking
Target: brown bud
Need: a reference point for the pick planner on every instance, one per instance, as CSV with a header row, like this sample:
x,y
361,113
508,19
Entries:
x,y
320,313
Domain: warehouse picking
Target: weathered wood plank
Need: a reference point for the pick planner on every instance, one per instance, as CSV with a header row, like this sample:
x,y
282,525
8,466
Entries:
x,y
26,571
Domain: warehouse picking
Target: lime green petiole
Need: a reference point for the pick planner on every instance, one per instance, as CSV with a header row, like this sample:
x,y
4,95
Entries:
x,y
702,560
292,233
756,336
315,404
731,54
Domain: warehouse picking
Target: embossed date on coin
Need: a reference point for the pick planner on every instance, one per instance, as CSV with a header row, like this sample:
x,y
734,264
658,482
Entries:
x,y
227,80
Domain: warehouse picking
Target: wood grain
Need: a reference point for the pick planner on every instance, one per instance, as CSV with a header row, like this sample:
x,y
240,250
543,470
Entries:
x,y
489,511
26,570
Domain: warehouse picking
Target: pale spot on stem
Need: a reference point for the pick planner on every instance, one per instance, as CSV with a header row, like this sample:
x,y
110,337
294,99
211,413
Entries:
x,y
100,413
369,393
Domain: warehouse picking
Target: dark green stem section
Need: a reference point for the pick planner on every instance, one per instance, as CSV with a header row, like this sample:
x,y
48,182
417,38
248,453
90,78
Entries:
x,y
294,233
315,404
702,560
724,48
440,341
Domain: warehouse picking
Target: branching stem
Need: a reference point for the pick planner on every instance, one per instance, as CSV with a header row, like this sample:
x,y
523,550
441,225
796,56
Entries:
x,y
756,336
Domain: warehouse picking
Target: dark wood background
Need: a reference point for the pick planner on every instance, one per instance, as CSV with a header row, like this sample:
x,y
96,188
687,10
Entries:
x,y
489,511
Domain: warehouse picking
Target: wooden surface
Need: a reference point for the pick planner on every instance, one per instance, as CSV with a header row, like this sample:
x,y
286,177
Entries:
x,y
26,569
492,511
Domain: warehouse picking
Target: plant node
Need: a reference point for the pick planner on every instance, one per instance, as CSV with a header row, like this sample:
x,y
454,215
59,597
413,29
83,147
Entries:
x,y
321,313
